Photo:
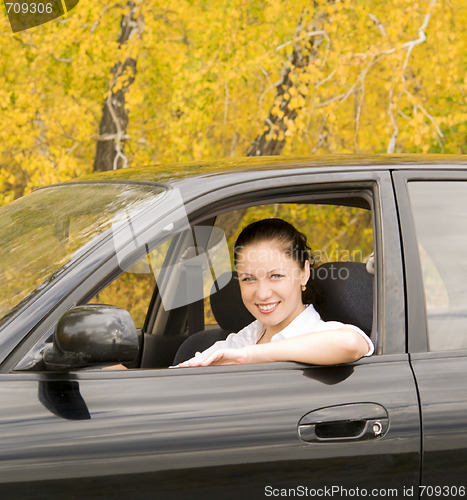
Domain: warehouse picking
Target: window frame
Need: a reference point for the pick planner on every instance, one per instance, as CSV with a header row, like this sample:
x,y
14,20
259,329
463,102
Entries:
x,y
377,186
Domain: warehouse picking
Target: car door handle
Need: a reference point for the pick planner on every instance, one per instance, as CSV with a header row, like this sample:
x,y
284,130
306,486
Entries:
x,y
349,422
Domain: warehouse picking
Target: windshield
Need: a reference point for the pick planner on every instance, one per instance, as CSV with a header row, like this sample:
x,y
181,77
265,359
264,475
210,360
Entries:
x,y
44,230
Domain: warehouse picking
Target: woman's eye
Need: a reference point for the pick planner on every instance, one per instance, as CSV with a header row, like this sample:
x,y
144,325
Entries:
x,y
277,276
247,279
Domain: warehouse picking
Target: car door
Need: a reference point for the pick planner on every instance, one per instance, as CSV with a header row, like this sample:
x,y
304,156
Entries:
x,y
257,430
433,213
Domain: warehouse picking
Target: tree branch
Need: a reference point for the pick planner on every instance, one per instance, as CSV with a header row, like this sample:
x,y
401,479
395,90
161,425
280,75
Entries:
x,y
409,46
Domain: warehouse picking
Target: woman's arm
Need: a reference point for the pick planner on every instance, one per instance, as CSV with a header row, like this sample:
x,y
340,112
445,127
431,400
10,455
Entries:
x,y
329,347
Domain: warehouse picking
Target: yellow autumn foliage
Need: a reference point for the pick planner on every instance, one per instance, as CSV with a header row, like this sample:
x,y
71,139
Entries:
x,y
386,78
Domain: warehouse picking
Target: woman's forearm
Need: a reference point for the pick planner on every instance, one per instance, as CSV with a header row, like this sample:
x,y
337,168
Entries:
x,y
321,348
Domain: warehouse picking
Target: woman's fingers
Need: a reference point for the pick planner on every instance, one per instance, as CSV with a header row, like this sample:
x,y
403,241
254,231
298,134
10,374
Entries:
x,y
227,357
218,357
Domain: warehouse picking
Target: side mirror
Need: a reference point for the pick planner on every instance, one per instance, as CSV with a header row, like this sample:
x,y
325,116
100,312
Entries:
x,y
92,335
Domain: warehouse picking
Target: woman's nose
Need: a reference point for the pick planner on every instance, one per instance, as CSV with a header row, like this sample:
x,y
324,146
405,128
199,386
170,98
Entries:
x,y
263,289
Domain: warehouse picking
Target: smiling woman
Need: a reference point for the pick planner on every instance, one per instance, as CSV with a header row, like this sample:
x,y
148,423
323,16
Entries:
x,y
273,264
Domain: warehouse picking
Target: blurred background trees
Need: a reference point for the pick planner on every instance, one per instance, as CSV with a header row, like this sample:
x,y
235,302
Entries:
x,y
144,81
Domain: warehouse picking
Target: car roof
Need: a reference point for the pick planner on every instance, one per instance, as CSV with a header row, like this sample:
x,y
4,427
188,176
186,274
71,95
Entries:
x,y
215,174
173,172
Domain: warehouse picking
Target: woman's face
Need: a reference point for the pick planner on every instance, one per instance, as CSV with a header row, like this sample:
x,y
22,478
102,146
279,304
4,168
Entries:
x,y
271,284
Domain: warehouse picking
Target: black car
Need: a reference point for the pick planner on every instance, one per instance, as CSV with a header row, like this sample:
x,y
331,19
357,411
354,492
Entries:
x,y
135,267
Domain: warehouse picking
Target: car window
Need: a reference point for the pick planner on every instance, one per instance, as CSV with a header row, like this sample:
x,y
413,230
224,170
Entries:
x,y
335,233
42,232
440,217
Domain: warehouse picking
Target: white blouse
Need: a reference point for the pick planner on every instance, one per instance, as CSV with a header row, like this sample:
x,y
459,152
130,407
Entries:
x,y
308,321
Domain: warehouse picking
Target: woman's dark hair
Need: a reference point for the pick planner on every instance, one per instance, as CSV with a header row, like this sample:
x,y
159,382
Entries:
x,y
290,240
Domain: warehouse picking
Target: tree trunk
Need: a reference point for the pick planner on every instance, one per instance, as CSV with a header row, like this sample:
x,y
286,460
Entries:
x,y
114,122
305,49
272,140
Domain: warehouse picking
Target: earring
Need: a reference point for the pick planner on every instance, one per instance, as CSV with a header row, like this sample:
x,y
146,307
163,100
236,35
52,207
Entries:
x,y
303,288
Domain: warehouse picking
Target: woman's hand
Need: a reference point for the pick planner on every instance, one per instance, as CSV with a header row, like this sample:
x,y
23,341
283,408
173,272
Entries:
x,y
220,357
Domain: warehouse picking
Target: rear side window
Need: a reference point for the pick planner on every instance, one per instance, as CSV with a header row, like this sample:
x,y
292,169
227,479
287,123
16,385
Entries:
x,y
440,217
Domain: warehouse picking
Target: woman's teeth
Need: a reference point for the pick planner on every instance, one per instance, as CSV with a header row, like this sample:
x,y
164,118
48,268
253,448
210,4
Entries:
x,y
267,307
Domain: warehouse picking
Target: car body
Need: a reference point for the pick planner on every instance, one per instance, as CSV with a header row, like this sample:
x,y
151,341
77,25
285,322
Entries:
x,y
395,421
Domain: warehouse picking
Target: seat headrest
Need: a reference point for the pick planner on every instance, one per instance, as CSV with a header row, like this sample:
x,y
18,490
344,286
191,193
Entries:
x,y
227,305
347,293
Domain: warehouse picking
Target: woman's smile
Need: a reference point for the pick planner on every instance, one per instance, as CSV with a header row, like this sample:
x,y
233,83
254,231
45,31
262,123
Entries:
x,y
268,308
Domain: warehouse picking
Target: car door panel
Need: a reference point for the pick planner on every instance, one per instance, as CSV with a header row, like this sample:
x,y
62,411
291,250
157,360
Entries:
x,y
204,431
442,391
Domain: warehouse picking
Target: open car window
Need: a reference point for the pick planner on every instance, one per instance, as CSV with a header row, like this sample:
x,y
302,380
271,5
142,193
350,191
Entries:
x,y
335,233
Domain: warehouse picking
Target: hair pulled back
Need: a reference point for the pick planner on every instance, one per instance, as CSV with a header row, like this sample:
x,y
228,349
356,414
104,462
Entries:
x,y
290,240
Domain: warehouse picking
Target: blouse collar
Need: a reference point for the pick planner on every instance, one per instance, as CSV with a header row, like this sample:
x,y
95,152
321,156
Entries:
x,y
307,319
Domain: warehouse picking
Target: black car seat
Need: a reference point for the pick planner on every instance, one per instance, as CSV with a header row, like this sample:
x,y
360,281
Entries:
x,y
228,310
345,291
